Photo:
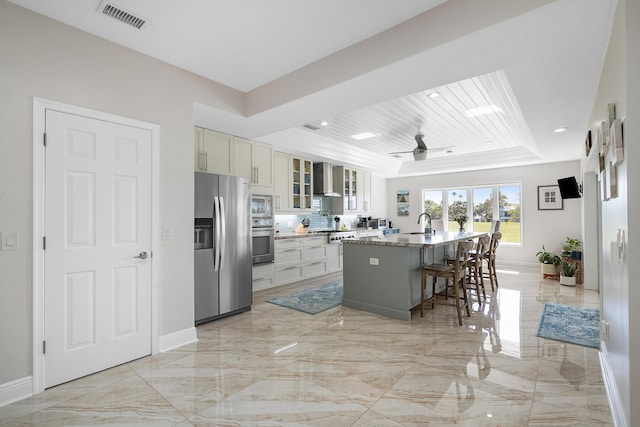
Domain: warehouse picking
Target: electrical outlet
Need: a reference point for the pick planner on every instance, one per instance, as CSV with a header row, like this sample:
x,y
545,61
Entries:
x,y
167,233
374,261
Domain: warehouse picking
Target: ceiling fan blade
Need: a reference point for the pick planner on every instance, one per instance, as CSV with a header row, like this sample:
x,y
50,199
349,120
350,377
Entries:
x,y
401,152
441,148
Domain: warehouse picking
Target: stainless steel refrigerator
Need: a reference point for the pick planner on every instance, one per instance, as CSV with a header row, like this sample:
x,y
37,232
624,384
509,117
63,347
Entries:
x,y
222,244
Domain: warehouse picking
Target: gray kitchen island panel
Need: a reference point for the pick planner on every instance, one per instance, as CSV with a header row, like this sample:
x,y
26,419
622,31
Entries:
x,y
390,288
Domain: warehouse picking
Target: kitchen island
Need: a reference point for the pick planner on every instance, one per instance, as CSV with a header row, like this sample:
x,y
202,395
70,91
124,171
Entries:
x,y
382,275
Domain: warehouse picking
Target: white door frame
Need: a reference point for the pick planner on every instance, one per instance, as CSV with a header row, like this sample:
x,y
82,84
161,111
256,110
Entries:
x,y
40,105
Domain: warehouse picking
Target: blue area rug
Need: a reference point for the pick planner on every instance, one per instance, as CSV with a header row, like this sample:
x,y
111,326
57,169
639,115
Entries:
x,y
312,301
570,324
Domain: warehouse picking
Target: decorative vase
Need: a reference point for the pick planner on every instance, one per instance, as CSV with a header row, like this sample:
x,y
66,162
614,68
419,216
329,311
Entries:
x,y
568,281
461,229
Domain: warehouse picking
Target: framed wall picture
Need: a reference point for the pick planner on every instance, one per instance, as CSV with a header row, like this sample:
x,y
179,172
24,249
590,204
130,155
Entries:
x,y
549,197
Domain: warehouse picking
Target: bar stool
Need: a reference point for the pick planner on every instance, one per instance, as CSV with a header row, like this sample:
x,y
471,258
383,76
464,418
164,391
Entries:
x,y
454,273
475,263
490,258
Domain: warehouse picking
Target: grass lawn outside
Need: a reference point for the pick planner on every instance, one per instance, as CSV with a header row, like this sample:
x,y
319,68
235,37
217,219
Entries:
x,y
510,230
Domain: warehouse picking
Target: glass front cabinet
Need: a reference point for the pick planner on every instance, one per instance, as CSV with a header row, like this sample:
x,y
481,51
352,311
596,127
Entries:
x,y
302,189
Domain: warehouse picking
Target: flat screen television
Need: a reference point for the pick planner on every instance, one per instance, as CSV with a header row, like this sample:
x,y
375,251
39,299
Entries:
x,y
569,188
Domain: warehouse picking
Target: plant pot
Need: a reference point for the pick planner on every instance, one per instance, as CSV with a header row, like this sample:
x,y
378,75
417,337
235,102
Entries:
x,y
568,281
548,269
577,255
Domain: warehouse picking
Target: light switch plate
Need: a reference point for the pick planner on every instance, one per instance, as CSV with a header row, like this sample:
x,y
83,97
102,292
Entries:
x,y
374,261
9,240
167,233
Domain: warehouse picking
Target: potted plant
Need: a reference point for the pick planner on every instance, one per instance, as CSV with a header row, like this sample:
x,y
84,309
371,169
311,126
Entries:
x,y
572,247
549,262
568,272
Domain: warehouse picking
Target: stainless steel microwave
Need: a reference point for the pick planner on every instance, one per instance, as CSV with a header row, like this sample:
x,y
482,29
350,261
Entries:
x,y
261,210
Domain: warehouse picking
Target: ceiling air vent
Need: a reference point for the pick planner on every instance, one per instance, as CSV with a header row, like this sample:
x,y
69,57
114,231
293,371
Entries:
x,y
115,12
312,127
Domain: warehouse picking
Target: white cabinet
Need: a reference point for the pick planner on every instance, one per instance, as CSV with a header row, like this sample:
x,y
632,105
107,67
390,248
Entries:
x,y
301,183
224,154
282,201
263,168
354,186
293,183
348,183
214,152
288,260
334,257
264,276
315,256
243,158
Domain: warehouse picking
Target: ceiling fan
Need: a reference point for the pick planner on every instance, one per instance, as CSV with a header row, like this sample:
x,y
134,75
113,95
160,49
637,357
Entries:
x,y
420,152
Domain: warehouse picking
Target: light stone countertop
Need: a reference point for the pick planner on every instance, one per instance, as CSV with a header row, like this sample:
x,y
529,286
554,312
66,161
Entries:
x,y
416,240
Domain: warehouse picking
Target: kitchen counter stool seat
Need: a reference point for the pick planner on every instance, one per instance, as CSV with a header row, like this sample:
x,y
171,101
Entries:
x,y
455,286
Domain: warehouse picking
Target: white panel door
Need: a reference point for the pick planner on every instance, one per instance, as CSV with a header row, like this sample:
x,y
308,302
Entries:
x,y
97,300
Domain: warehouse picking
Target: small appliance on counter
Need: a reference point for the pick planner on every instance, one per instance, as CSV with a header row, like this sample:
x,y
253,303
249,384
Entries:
x,y
378,223
337,220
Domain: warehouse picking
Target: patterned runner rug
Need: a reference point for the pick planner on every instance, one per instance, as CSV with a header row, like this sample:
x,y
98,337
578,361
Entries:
x,y
312,301
570,324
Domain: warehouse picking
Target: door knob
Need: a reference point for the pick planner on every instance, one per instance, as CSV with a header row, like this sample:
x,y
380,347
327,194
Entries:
x,y
143,255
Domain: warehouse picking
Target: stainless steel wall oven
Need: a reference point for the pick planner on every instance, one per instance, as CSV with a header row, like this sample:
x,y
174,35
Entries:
x,y
262,231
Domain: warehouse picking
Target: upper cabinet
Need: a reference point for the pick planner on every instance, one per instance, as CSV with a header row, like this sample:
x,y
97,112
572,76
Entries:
x,y
230,155
282,201
354,186
293,183
301,183
214,152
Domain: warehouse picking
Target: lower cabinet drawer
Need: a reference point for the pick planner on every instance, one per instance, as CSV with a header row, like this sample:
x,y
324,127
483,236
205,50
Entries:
x,y
288,274
315,268
263,283
289,255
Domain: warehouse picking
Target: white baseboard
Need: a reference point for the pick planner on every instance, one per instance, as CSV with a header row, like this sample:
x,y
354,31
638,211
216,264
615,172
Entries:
x,y
617,410
178,339
16,390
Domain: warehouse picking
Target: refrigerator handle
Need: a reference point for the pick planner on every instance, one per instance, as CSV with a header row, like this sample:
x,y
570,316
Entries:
x,y
216,248
223,242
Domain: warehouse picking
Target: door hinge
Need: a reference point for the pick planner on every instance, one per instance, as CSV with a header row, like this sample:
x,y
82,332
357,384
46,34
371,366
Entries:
x,y
44,243
44,347
44,139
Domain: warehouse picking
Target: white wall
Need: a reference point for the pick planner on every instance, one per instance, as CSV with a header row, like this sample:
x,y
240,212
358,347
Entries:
x,y
379,196
619,84
548,227
43,58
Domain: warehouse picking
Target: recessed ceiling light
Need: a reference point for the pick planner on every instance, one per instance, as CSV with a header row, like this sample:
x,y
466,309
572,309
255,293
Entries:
x,y
433,94
324,123
489,142
363,135
482,111
561,129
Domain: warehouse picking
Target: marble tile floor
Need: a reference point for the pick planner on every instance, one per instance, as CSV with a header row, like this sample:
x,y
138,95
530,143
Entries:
x,y
275,366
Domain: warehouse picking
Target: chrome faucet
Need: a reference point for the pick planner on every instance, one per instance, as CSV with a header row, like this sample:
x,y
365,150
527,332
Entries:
x,y
426,229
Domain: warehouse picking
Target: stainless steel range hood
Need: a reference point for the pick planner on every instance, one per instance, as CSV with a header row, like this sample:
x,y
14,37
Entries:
x,y
323,180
